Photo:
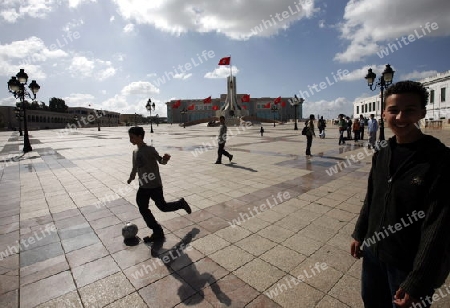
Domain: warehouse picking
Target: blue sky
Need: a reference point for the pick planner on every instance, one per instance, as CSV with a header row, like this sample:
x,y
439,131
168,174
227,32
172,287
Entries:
x,y
111,53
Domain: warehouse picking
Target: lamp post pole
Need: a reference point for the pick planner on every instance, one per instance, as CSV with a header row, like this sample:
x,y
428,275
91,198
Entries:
x,y
295,101
18,113
183,112
274,110
383,82
16,85
149,107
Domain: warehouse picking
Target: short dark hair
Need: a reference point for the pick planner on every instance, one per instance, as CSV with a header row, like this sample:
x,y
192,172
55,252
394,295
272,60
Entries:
x,y
137,130
408,86
222,117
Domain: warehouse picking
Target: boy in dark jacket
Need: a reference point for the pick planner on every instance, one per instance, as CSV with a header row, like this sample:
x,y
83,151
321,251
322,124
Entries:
x,y
403,229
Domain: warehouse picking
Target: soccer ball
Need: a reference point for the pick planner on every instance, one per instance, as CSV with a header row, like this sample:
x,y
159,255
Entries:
x,y
129,231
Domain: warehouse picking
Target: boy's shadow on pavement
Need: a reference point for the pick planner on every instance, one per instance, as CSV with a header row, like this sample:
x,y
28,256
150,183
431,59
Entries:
x,y
234,165
198,280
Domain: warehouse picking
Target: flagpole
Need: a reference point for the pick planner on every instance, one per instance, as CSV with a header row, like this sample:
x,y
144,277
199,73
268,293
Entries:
x,y
231,71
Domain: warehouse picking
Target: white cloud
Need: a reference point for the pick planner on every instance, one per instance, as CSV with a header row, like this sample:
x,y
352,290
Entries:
x,y
328,109
183,76
368,24
140,88
415,75
79,100
129,29
112,18
222,72
246,19
81,66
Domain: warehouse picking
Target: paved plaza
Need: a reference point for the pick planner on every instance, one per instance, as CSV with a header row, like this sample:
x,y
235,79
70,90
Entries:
x,y
270,229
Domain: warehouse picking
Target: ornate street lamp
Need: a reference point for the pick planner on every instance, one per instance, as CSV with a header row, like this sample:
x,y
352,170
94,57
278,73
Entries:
x,y
19,117
383,82
295,101
16,85
183,112
149,107
274,109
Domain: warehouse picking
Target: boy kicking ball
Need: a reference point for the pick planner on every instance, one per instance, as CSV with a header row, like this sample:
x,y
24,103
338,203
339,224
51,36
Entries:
x,y
145,164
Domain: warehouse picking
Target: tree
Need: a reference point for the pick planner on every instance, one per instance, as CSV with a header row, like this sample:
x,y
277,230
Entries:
x,y
58,105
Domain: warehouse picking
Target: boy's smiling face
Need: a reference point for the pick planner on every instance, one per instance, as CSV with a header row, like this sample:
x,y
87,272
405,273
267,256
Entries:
x,y
402,113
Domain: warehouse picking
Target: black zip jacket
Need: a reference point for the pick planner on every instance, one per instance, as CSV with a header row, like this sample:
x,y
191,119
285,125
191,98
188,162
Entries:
x,y
405,218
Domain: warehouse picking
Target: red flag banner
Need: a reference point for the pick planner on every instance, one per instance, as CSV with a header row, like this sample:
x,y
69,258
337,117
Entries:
x,y
245,98
191,107
267,105
215,107
207,100
283,104
277,100
244,107
176,104
225,61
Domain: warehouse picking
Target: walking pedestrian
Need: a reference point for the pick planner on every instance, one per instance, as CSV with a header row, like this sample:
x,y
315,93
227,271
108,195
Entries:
x,y
362,123
261,131
222,139
309,134
372,127
342,125
356,129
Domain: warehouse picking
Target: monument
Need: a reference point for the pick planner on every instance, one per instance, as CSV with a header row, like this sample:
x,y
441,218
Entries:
x,y
231,110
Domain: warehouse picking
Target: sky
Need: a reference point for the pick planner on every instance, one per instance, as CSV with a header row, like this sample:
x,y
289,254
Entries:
x,y
116,54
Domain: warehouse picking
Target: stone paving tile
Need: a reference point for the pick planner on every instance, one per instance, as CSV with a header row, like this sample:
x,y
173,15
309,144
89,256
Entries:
x,y
44,290
157,294
79,241
255,244
86,254
10,299
259,274
210,244
282,257
70,299
233,233
133,300
41,253
95,270
302,244
288,293
105,291
231,257
43,269
348,291
330,302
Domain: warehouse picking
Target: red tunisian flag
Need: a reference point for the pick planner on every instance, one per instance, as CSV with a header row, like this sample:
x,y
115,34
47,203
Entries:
x,y
191,107
207,100
245,98
177,104
215,107
266,105
277,100
225,61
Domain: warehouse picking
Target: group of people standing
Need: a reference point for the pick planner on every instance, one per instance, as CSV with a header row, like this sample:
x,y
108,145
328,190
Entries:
x,y
345,126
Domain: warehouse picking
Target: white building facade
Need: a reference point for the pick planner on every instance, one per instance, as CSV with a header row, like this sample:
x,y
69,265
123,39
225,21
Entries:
x,y
438,107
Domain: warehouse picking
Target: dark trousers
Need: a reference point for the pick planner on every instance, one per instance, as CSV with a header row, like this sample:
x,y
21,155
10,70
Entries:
x,y
341,137
361,133
356,133
156,194
308,144
221,151
380,281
